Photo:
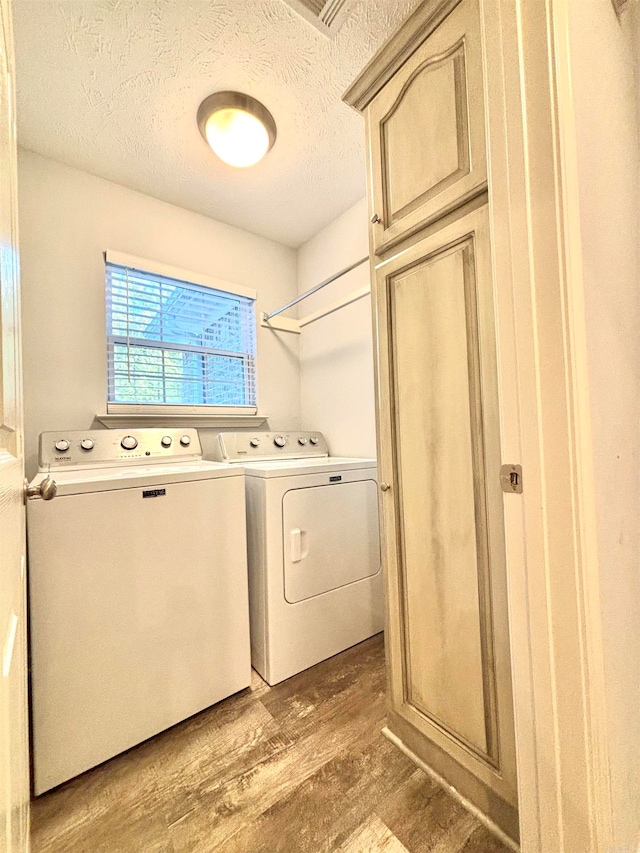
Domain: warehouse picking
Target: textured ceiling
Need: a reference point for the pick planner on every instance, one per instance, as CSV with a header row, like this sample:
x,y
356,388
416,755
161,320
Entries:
x,y
113,86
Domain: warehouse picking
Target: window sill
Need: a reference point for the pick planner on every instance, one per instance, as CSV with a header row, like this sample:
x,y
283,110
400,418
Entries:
x,y
121,421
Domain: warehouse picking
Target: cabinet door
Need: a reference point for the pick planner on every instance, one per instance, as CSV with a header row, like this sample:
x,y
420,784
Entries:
x,y
426,131
448,636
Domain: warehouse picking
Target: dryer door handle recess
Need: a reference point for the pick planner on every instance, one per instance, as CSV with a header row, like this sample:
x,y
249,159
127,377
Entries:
x,y
298,549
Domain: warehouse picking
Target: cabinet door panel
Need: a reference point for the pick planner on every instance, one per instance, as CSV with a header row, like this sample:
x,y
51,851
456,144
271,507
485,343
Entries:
x,y
427,131
443,518
444,569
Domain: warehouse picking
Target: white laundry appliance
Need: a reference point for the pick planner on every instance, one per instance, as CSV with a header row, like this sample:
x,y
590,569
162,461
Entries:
x,y
138,592
315,585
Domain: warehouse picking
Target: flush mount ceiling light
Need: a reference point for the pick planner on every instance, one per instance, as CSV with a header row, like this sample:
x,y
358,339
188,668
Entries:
x,y
239,129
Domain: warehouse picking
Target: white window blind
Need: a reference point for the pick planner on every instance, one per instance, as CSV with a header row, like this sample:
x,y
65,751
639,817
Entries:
x,y
175,343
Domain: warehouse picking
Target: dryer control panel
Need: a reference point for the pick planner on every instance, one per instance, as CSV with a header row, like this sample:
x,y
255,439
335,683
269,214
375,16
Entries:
x,y
264,446
97,448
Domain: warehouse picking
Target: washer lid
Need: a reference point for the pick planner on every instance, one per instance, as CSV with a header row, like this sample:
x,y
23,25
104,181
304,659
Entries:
x,y
294,467
83,480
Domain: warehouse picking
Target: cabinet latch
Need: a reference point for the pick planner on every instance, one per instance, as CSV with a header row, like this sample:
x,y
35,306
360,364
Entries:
x,y
511,479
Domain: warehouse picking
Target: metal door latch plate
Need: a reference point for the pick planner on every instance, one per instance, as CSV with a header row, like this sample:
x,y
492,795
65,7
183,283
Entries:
x,y
511,479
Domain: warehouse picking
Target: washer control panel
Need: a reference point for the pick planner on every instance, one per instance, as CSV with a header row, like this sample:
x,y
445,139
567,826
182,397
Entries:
x,y
264,446
97,447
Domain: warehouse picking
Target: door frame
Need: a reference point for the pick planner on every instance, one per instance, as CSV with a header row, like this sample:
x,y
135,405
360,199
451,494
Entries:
x,y
14,725
554,595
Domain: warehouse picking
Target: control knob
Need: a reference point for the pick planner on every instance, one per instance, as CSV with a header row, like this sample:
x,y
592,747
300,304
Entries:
x,y
166,440
129,442
255,442
87,444
185,440
62,445
302,440
280,441
314,439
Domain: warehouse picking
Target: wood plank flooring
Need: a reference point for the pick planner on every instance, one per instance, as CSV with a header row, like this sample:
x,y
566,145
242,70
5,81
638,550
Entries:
x,y
297,768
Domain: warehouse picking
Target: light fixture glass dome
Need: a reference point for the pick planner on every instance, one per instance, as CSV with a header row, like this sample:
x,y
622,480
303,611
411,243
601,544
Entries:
x,y
239,129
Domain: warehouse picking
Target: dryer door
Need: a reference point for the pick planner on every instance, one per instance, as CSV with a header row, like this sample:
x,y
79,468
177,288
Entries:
x,y
331,537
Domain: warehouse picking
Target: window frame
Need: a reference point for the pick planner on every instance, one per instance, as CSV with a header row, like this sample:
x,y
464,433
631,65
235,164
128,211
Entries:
x,y
164,410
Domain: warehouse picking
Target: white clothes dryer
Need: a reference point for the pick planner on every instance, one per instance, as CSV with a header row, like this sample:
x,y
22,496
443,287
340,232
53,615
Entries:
x,y
315,584
139,612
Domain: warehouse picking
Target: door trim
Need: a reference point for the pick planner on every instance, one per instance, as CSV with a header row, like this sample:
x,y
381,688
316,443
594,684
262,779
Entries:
x,y
14,714
554,596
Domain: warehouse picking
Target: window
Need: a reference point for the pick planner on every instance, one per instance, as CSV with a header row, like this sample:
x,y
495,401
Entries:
x,y
176,340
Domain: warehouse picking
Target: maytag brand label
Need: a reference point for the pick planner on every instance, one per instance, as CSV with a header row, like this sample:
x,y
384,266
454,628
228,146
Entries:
x,y
335,479
153,493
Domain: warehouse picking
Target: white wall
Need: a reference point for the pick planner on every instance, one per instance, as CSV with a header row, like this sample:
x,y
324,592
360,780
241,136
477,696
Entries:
x,y
336,352
67,219
608,164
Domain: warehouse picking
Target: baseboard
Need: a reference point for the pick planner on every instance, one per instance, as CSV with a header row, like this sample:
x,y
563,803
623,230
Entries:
x,y
439,780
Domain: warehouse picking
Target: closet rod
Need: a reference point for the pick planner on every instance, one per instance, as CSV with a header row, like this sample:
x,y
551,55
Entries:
x,y
267,317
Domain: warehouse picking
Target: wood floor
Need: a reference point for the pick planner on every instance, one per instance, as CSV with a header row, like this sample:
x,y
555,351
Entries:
x,y
298,768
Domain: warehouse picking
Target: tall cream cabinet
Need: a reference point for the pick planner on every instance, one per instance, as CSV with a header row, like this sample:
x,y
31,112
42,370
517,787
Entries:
x,y
450,695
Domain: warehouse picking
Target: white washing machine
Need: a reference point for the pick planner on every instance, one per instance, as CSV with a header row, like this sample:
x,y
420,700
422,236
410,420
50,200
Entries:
x,y
315,584
138,592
